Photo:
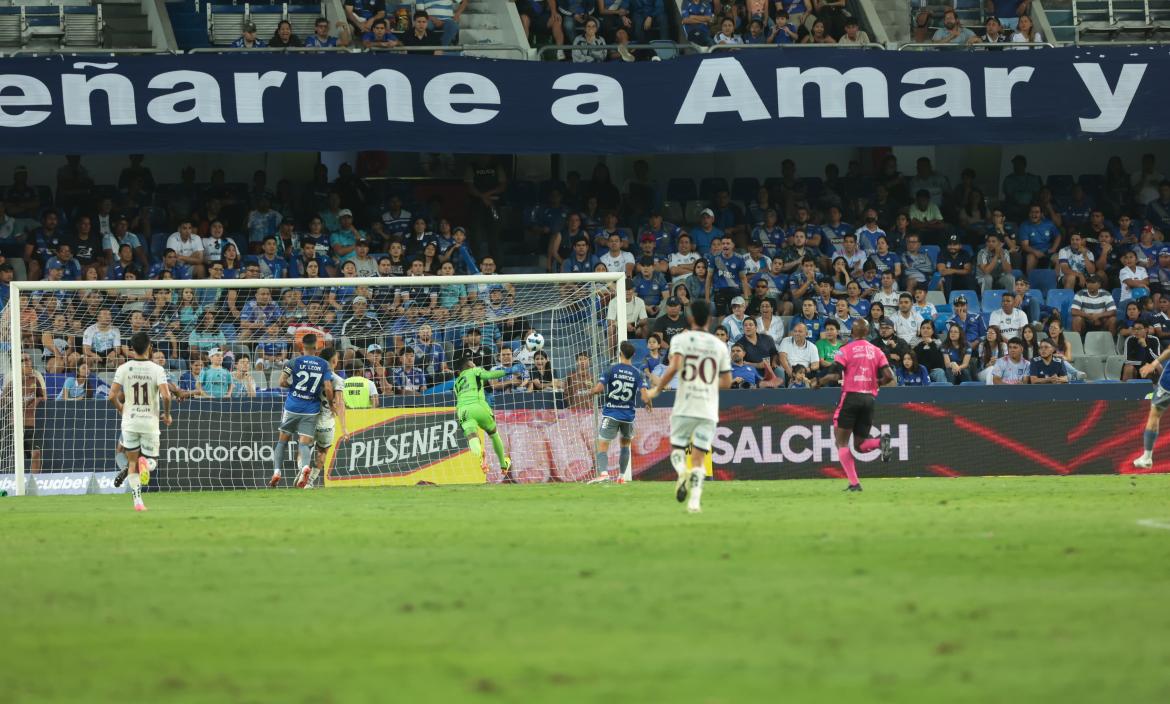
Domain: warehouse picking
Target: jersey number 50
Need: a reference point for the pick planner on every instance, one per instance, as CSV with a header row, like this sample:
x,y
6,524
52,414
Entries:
x,y
701,367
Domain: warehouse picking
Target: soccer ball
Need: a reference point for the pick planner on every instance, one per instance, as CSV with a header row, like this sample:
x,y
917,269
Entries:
x,y
534,342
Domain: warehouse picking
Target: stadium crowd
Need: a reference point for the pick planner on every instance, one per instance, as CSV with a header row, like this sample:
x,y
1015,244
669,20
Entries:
x,y
958,287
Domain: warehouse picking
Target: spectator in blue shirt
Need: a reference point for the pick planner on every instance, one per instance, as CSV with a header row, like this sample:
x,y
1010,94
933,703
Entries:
x,y
808,317
1039,238
170,265
320,37
665,234
972,323
650,16
214,381
650,286
580,260
76,387
574,14
910,372
785,32
70,268
743,376
696,19
728,275
249,40
706,234
363,13
271,266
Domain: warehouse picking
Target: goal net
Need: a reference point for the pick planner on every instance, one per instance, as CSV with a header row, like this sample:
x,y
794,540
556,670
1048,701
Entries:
x,y
224,347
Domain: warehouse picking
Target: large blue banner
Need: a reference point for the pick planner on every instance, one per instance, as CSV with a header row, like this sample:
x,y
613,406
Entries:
x,y
733,100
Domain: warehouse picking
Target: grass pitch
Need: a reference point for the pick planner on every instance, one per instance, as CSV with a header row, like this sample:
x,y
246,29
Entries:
x,y
933,590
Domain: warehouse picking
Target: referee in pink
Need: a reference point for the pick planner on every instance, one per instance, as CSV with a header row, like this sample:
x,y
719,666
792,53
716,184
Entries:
x,y
863,368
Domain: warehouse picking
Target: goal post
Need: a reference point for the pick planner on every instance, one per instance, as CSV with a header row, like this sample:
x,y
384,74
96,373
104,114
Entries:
x,y
60,335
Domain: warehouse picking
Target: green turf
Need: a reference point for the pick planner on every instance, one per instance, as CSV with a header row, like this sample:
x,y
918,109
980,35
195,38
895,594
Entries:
x,y
932,590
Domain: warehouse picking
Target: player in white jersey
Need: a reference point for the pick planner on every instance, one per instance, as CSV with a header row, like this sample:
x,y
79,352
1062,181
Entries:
x,y
704,367
139,389
331,411
120,452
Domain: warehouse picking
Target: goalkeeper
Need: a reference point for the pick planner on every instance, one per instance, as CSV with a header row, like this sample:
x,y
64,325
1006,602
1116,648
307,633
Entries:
x,y
474,413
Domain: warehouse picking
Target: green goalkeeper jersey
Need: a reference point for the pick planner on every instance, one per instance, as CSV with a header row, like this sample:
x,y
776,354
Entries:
x,y
469,385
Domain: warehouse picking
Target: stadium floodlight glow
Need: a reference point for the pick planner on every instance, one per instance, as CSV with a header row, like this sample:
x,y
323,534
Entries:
x,y
227,443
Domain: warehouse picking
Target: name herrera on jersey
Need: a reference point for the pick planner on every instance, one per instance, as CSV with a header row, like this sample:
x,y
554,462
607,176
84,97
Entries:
x,y
414,447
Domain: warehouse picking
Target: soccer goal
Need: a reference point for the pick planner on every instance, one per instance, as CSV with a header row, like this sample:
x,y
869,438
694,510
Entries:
x,y
224,344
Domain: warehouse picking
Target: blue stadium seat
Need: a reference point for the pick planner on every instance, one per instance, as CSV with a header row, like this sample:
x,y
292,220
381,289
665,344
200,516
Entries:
x,y
681,190
639,350
932,250
946,309
1117,298
711,185
1060,299
992,298
743,188
971,297
1042,279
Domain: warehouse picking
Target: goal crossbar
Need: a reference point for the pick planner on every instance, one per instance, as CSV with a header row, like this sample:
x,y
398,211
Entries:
x,y
17,288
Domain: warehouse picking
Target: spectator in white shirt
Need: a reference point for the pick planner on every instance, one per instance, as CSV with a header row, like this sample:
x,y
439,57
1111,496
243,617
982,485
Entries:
x,y
636,316
215,243
1135,280
797,350
188,247
1009,319
1075,263
616,260
888,294
682,262
993,265
906,320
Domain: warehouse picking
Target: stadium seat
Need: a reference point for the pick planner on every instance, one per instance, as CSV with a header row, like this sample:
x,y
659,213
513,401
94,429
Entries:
x,y
711,185
691,211
672,211
1075,344
681,190
992,299
937,298
1113,365
971,297
1117,298
224,26
11,26
1060,299
83,25
932,251
1099,343
744,188
1042,279
1093,367
261,380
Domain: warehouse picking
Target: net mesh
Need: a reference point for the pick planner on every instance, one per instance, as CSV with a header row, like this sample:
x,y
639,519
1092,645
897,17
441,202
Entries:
x,y
224,350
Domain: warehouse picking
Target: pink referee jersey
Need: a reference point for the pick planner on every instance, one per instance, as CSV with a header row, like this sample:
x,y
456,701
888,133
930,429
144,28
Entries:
x,y
861,361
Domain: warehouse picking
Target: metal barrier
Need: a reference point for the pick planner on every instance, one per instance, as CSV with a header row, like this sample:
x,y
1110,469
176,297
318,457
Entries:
x,y
660,46
978,46
452,49
95,51
736,47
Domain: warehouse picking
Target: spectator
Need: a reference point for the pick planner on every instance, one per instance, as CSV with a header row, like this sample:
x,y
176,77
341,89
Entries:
x,y
910,372
636,318
957,355
364,264
616,15
616,260
888,341
929,353
649,20
650,286
1075,262
726,35
188,247
924,215
952,31
215,243
409,379
321,39
888,294
1027,302
443,17
536,13
954,267
420,35
541,377
672,322
362,14
1133,313
743,375
759,349
1013,368
854,34
271,266
379,36
515,374
249,40
1025,33
1135,281
1020,188
1008,318
916,264
1040,239
589,38
785,31
818,34
924,308
994,265
796,350
729,278
827,348
800,378
813,321
243,385
1141,349
803,284
697,16
1093,308
906,319
63,260
77,386
258,314
283,37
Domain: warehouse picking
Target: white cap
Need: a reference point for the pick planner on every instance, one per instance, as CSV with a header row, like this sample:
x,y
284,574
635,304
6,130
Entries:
x,y
738,301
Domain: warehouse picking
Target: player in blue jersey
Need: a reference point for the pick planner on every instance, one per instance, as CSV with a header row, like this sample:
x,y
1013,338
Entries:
x,y
619,384
309,379
1159,402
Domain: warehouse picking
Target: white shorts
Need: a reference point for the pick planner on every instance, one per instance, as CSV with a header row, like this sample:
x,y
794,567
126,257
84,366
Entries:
x,y
688,430
324,438
145,443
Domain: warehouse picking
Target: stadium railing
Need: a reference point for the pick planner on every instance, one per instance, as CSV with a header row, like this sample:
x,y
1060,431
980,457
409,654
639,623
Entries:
x,y
781,47
976,47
